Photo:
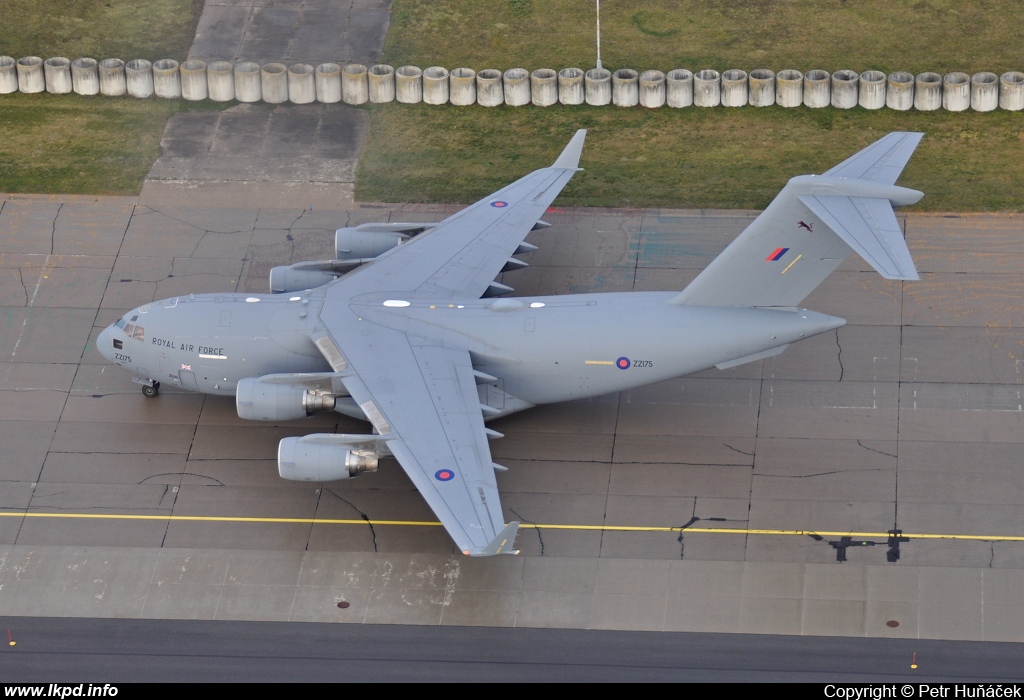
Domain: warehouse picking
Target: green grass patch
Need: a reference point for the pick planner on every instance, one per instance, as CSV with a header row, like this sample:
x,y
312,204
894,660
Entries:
x,y
81,145
910,35
694,157
125,29
686,158
88,145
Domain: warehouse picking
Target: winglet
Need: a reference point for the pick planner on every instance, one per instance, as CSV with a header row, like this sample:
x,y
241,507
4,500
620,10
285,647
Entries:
x,y
570,157
502,544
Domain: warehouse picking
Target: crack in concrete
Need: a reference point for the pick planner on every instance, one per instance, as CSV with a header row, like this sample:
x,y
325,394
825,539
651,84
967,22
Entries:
x,y
364,516
59,452
691,521
540,537
24,289
872,449
141,511
172,218
839,356
200,476
805,476
736,449
295,221
53,226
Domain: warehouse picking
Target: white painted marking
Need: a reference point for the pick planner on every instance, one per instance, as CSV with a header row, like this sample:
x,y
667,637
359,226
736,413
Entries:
x,y
397,303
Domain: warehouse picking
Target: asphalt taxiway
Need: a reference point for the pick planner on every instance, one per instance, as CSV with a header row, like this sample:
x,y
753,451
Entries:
x,y
760,499
102,651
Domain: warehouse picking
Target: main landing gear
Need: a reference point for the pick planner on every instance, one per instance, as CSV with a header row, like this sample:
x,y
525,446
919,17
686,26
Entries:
x,y
150,389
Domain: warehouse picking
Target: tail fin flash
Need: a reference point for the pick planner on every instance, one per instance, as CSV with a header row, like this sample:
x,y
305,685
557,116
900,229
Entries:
x,y
810,228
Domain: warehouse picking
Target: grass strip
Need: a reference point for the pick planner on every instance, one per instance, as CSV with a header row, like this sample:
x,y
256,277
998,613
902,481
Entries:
x,y
682,158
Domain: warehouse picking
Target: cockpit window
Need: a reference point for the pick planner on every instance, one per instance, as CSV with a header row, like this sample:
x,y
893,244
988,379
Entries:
x,y
129,329
135,318
120,323
140,333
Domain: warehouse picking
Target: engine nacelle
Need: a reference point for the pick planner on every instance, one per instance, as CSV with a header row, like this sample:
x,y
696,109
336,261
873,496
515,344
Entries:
x,y
352,244
310,461
287,279
370,240
256,400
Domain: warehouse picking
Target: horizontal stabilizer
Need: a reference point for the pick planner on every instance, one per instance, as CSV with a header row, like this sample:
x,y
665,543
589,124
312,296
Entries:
x,y
882,161
869,227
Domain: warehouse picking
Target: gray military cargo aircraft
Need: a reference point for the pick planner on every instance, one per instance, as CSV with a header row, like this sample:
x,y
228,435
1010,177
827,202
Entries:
x,y
409,330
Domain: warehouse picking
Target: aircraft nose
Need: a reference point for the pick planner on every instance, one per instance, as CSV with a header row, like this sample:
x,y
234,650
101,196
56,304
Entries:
x,y
104,343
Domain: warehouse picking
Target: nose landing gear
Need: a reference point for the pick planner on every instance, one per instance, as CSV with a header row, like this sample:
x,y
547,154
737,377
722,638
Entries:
x,y
149,387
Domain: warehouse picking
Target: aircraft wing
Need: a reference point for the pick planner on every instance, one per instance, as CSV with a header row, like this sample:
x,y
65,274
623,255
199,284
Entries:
x,y
422,399
466,251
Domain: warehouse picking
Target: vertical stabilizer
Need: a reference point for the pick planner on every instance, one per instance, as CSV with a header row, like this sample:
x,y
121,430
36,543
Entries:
x,y
810,228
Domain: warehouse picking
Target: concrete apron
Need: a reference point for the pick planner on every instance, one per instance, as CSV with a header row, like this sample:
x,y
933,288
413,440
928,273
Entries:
x,y
247,156
574,593
125,506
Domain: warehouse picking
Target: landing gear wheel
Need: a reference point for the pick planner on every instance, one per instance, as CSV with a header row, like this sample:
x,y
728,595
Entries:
x,y
150,391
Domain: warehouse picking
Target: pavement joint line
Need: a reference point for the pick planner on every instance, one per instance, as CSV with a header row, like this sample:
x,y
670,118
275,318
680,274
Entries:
x,y
523,526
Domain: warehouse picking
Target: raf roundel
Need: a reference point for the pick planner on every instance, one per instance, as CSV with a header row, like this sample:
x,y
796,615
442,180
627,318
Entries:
x,y
499,204
622,363
444,475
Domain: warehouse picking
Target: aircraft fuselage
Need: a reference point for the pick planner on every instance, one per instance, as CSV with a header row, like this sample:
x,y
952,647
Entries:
x,y
541,349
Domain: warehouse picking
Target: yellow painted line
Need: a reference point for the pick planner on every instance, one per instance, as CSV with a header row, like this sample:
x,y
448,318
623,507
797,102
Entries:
x,y
792,264
598,362
214,518
523,526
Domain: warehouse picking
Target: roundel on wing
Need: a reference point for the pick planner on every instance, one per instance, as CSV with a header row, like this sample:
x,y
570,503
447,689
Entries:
x,y
622,363
499,204
444,475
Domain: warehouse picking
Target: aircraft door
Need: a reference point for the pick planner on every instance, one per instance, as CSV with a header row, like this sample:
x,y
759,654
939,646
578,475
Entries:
x,y
188,380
